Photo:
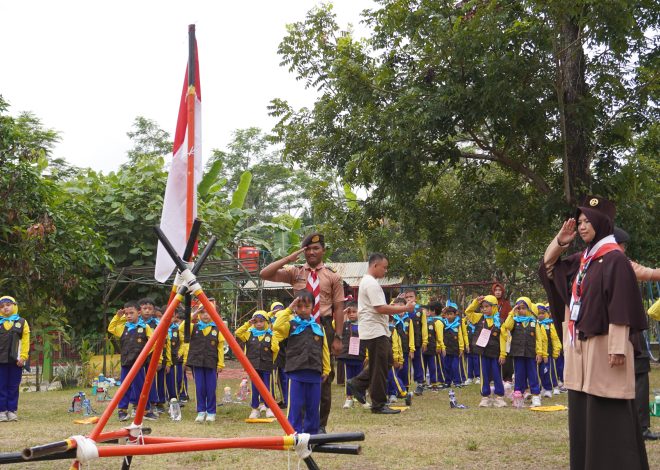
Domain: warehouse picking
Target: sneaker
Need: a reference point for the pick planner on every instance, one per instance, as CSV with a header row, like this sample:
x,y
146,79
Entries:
x,y
385,410
499,402
183,399
355,393
160,409
477,380
269,413
254,414
3,417
121,414
536,401
151,416
210,417
348,403
133,413
262,408
563,389
391,400
547,394
11,416
202,415
366,405
409,399
419,390
556,391
468,382
485,402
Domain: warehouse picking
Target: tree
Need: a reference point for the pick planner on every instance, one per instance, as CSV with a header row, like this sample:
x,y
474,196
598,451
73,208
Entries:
x,y
470,126
477,82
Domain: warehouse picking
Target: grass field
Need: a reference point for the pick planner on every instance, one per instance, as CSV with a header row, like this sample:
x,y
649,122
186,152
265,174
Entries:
x,y
429,435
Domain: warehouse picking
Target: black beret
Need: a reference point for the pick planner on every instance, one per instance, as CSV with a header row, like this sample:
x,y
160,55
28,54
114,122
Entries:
x,y
313,238
592,204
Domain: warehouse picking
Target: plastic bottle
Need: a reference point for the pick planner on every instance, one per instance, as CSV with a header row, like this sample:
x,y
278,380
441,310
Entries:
x,y
243,391
95,385
175,410
227,397
452,399
87,407
656,406
76,405
518,400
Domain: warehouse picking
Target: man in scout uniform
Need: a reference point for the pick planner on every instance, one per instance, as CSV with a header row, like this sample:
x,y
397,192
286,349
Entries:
x,y
327,288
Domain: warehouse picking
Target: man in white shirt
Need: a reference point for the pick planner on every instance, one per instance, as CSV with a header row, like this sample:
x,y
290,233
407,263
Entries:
x,y
373,327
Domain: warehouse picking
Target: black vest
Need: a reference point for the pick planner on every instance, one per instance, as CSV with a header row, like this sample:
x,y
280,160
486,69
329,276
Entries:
x,y
260,353
175,344
9,340
432,345
203,350
304,351
131,344
404,334
523,340
417,327
451,341
351,330
492,349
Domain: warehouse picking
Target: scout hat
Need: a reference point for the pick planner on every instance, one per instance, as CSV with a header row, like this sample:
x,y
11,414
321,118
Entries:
x,y
313,238
276,306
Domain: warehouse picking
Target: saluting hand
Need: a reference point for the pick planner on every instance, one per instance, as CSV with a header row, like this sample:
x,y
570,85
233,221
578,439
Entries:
x,y
567,232
293,257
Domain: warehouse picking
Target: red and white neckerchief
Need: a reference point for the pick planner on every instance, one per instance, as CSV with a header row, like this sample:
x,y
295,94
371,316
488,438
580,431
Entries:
x,y
313,285
604,246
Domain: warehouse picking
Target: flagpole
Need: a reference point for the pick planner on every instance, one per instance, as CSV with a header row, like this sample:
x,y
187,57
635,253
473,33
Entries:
x,y
191,129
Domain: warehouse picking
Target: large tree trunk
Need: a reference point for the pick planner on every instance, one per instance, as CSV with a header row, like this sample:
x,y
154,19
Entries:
x,y
577,124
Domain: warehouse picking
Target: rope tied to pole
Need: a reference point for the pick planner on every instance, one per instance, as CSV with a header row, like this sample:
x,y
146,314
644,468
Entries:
x,y
86,449
302,448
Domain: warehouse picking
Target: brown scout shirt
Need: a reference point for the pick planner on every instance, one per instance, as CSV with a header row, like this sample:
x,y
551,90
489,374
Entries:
x,y
332,288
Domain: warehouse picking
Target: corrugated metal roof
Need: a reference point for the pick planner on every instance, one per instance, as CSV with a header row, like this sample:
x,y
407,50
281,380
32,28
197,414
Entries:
x,y
351,273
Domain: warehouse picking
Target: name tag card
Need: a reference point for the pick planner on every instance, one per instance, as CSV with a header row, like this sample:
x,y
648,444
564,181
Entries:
x,y
354,346
575,311
484,336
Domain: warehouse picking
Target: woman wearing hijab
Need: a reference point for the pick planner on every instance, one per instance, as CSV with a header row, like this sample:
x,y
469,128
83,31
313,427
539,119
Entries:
x,y
603,308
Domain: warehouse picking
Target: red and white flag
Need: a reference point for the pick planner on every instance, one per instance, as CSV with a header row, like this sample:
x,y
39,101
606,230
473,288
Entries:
x,y
175,214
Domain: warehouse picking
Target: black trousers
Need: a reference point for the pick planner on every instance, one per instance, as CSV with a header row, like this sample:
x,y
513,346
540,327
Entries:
x,y
642,368
507,369
374,376
604,434
326,387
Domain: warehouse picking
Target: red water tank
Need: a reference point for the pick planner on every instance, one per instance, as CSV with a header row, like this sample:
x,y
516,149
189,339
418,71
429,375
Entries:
x,y
249,257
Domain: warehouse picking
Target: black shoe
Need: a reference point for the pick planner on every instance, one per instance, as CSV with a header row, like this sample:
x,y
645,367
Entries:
x,y
151,416
183,400
385,410
409,399
649,435
355,393
123,416
160,409
322,430
419,390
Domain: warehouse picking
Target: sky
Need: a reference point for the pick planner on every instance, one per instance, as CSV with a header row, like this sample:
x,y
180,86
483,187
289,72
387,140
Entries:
x,y
87,69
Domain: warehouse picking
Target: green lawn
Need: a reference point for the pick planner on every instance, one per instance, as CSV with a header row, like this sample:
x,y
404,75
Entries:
x,y
430,435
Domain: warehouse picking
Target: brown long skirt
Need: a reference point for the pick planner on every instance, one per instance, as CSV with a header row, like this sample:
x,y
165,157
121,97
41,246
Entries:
x,y
604,433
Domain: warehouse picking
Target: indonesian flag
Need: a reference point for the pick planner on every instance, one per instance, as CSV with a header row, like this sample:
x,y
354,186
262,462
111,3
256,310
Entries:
x,y
174,218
